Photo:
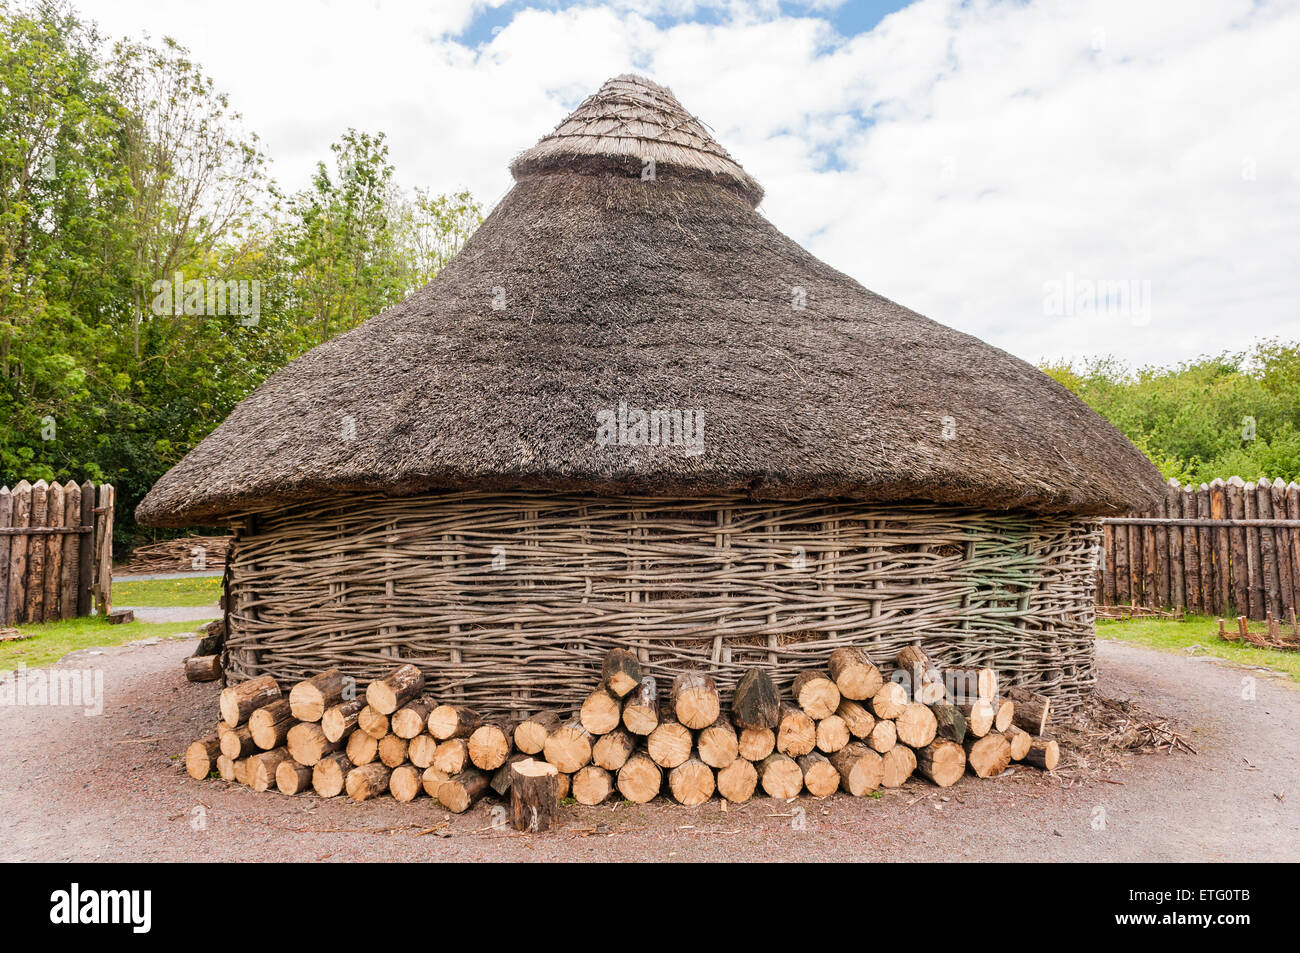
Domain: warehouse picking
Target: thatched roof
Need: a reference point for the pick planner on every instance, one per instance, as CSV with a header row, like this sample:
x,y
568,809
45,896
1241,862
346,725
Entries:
x,y
590,287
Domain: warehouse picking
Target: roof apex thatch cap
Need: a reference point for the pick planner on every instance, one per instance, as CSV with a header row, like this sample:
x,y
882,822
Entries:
x,y
625,124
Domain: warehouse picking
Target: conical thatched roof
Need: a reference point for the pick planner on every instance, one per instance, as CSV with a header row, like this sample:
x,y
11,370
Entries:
x,y
591,287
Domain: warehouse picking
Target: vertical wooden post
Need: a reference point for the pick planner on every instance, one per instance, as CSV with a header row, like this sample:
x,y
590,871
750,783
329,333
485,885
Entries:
x,y
86,551
1135,563
1150,567
1204,550
1254,572
1219,542
1293,513
1177,578
1267,548
1107,591
1163,569
6,521
35,603
54,504
71,551
104,551
18,552
1282,550
1236,494
1123,592
1191,563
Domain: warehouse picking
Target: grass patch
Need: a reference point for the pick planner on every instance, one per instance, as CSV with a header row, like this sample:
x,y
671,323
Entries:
x,y
1178,635
53,640
194,591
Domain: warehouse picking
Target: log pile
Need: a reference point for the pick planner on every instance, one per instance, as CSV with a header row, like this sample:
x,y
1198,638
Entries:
x,y
843,728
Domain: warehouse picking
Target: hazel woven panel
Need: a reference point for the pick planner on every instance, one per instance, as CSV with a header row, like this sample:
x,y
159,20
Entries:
x,y
509,602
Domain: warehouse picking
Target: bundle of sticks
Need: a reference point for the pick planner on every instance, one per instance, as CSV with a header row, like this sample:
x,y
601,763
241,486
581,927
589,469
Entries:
x,y
183,554
843,728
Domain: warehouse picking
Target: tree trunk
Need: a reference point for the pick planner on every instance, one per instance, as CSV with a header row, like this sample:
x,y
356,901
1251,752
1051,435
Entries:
x,y
534,796
491,744
1032,710
755,744
611,751
718,744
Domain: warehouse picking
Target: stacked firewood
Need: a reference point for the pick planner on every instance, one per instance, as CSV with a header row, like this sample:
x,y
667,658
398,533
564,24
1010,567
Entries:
x,y
845,728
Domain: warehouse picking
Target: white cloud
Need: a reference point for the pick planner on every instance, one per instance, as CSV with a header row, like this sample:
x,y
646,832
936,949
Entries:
x,y
957,158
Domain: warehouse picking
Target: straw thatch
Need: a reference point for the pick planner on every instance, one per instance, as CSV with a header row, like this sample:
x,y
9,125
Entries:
x,y
589,286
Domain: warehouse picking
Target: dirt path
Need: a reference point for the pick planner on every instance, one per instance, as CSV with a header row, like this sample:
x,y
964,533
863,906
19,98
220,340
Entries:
x,y
110,788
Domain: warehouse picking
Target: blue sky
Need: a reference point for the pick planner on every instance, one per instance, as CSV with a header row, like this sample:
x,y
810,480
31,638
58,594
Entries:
x,y
1060,177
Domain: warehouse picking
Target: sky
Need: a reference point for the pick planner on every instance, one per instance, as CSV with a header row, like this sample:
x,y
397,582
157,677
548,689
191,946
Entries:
x,y
1062,178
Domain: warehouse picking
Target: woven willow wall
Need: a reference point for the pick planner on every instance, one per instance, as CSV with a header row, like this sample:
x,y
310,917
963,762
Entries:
x,y
508,602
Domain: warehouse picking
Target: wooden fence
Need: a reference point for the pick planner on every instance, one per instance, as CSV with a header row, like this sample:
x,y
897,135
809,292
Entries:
x,y
56,551
1227,548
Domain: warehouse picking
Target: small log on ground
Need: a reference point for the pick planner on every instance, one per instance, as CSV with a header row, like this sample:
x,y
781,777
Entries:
x,y
409,720
453,721
611,751
392,750
260,768
756,702
406,783
989,756
897,765
950,723
718,744
534,795
340,720
601,711
621,672
451,757
780,776
330,774
238,742
237,702
690,783
1032,710
883,737
640,779
310,697
569,746
856,718
916,725
308,744
591,785
490,744
530,734
832,734
941,762
458,794
292,778
395,689
374,722
203,668
1043,753
201,756
1020,741
669,744
815,692
889,701
641,708
367,781
860,769
979,717
362,749
925,678
819,775
694,700
737,781
270,724
854,674
796,734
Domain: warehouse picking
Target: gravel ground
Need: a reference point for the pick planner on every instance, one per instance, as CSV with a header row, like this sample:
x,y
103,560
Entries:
x,y
173,613
112,788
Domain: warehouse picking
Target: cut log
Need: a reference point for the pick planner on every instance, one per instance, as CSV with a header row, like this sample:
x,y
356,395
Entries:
x,y
856,718
718,744
819,775
458,794
925,679
694,700
950,723
534,796
374,723
310,697
1032,710
854,674
270,724
979,717
392,750
237,702
601,711
406,783
669,744
916,725
201,757
1044,754
225,768
451,757
972,684
386,695
409,720
889,701
362,749
737,781
816,694
641,708
491,744
203,668
367,781
292,778
756,702
308,744
1020,740
1004,713
941,762
260,768
330,774
569,746
238,742
640,779
755,744
621,672
592,785
690,783
340,720
796,735
500,782
989,756
832,734
611,751
860,769
241,770
897,765
451,721
530,734
432,780
883,737
780,776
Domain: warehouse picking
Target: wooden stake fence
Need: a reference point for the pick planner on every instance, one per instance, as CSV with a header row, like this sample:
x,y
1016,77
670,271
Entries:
x,y
56,551
1225,548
